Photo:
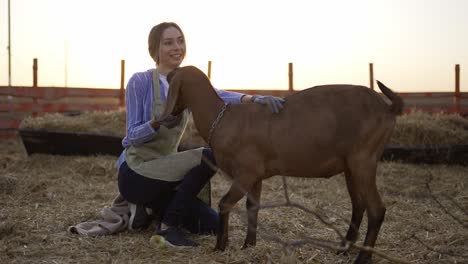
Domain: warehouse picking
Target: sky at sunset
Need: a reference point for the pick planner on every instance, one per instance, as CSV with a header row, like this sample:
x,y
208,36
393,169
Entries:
x,y
413,44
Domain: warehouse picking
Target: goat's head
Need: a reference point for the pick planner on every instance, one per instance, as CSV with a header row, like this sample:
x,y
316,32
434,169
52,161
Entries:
x,y
180,80
174,103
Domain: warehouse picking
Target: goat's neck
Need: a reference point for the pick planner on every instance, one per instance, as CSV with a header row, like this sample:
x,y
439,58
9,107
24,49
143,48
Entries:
x,y
205,105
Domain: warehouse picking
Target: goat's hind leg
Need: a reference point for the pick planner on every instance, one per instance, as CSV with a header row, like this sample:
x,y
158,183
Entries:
x,y
253,205
364,175
375,215
358,208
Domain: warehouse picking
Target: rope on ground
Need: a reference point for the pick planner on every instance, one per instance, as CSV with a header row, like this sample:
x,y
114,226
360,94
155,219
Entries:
x,y
428,186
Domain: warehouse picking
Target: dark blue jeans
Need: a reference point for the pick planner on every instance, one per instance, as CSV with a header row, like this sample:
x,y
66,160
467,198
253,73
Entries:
x,y
176,201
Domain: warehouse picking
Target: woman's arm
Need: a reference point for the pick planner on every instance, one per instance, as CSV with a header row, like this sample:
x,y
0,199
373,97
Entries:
x,y
140,126
234,97
274,103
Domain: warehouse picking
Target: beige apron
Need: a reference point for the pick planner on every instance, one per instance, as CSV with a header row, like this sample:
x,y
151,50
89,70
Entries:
x,y
158,158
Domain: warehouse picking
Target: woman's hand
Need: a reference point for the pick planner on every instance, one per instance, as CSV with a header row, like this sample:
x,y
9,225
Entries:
x,y
170,122
274,103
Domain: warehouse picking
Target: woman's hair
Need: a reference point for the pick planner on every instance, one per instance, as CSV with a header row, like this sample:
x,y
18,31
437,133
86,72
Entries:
x,y
155,35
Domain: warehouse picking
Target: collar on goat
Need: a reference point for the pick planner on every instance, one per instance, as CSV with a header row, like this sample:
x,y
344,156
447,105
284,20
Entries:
x,y
215,123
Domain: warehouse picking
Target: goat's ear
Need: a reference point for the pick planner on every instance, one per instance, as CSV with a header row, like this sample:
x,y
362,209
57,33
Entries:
x,y
172,97
171,75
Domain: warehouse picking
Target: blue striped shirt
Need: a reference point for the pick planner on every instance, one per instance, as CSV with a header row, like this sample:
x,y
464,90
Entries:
x,y
139,103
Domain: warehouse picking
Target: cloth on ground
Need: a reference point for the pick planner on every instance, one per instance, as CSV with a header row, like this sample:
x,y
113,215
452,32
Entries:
x,y
113,220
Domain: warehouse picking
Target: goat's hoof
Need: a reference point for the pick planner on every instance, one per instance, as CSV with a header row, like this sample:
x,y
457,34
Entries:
x,y
248,245
347,252
363,259
345,248
219,248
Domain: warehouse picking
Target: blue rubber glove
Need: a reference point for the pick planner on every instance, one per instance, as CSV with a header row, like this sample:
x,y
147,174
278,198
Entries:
x,y
274,103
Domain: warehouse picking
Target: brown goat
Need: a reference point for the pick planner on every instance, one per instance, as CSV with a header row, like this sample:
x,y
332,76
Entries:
x,y
321,132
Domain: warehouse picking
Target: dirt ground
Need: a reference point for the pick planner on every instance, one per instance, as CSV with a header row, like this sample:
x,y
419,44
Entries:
x,y
42,195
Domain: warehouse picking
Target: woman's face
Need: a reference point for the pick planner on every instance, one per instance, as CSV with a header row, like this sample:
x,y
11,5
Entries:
x,y
171,49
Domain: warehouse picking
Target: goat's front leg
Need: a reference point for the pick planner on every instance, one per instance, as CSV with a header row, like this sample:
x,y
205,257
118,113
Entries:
x,y
235,193
253,205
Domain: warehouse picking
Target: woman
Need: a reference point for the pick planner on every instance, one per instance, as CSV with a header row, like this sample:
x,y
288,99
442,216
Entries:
x,y
152,174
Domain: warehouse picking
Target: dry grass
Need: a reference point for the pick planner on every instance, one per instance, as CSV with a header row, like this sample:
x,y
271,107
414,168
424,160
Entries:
x,y
41,195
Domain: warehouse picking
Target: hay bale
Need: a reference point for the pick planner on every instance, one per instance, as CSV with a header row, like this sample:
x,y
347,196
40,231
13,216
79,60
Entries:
x,y
110,123
419,129
415,129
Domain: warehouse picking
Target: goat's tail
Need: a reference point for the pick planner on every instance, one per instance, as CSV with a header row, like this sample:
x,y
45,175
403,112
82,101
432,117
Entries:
x,y
397,101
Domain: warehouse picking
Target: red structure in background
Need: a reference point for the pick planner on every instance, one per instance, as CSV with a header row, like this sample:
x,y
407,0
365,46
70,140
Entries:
x,y
18,102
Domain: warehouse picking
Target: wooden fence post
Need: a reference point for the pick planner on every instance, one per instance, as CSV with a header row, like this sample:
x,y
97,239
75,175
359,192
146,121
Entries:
x,y
34,113
457,88
371,75
290,75
122,83
35,72
209,70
